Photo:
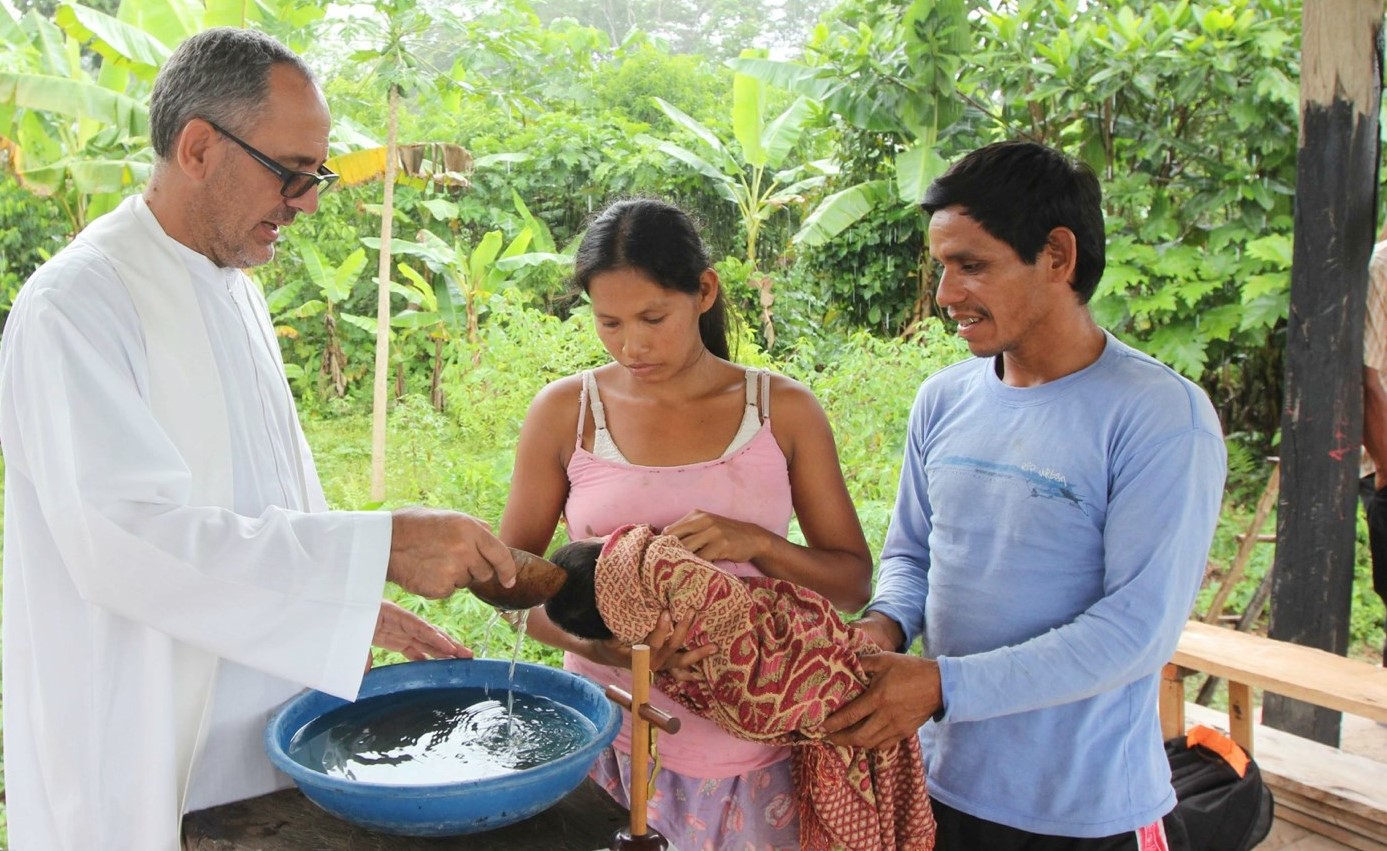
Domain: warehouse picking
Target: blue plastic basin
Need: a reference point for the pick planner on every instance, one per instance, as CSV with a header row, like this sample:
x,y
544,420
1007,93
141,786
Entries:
x,y
448,809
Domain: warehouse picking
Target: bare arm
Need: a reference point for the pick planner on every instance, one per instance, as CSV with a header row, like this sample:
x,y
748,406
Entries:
x,y
539,489
836,561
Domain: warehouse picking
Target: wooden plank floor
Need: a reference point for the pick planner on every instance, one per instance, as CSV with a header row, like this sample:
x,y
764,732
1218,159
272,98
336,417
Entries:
x,y
1359,736
1285,836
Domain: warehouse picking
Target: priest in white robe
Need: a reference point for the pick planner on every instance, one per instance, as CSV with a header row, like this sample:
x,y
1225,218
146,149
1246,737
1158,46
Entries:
x,y
171,571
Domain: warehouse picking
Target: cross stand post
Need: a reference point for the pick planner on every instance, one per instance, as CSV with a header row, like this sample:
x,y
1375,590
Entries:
x,y
644,719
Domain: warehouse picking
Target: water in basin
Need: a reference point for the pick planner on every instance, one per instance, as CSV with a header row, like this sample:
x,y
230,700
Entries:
x,y
439,735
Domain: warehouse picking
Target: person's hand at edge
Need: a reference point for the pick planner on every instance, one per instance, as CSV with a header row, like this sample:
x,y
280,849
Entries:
x,y
902,693
435,552
883,631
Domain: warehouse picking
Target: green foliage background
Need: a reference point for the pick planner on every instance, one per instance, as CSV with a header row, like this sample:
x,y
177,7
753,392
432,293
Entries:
x,y
1186,110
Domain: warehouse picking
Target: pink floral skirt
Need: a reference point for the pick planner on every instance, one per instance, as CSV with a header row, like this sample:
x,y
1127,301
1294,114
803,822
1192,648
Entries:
x,y
755,811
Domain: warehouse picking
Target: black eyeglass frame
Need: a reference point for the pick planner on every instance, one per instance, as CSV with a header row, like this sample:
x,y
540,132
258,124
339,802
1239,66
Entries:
x,y
296,184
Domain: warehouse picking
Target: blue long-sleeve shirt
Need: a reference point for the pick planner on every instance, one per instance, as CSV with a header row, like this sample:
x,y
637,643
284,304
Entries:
x,y
1048,543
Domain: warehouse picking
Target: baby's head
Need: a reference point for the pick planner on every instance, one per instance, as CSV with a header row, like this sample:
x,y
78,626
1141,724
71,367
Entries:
x,y
574,607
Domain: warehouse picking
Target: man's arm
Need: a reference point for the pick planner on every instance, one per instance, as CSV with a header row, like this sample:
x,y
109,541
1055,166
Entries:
x,y
434,552
902,694
293,593
1161,516
883,630
904,691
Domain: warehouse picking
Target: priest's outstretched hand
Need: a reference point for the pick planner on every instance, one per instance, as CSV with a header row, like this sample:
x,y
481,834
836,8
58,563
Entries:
x,y
411,636
435,552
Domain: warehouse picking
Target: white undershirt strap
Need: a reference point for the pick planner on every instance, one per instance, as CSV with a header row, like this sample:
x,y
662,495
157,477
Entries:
x,y
756,412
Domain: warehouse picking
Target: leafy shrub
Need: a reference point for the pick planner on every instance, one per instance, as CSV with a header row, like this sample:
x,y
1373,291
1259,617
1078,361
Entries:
x,y
866,391
31,231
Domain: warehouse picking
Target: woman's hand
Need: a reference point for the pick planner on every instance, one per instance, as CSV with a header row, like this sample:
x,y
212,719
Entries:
x,y
883,632
667,650
713,537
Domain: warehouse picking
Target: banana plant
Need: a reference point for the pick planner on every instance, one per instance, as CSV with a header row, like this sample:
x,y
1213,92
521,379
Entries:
x,y
392,39
450,300
441,164
334,285
71,135
897,79
750,174
77,132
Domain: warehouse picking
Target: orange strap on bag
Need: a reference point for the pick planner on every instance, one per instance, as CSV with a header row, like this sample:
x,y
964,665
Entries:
x,y
1208,737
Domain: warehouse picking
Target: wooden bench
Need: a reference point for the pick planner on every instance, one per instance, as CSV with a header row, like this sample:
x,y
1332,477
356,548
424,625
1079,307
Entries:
x,y
1340,795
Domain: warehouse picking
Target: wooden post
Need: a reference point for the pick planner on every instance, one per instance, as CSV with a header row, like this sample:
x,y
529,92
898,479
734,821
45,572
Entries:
x,y
1246,544
1172,701
640,737
1240,711
641,837
1321,424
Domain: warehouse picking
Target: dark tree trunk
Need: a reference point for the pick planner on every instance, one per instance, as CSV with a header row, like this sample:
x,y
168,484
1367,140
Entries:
x,y
1321,424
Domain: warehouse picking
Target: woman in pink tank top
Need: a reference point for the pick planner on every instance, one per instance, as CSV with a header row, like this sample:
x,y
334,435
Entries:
x,y
673,434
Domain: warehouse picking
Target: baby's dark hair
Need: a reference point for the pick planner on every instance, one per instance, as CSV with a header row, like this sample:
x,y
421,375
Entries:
x,y
574,607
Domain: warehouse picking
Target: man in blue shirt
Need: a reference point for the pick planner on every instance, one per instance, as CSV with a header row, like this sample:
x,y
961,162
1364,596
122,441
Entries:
x,y
1057,501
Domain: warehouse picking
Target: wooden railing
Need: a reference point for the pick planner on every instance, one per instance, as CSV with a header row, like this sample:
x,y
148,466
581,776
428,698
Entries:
x,y
1250,662
1340,795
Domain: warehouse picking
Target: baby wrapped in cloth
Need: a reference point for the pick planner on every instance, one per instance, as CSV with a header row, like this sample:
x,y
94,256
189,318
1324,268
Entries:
x,y
785,661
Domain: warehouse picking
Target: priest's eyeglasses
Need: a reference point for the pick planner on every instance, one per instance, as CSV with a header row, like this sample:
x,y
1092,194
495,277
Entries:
x,y
296,183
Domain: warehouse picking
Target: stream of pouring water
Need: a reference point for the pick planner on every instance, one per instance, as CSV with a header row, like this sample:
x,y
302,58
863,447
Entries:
x,y
520,626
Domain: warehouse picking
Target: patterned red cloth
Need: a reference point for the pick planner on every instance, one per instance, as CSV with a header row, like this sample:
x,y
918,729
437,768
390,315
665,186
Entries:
x,y
785,662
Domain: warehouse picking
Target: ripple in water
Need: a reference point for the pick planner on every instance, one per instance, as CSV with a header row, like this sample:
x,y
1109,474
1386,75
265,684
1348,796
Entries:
x,y
444,735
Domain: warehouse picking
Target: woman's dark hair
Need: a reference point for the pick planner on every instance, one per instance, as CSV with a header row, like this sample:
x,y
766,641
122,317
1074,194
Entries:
x,y
1019,192
659,240
574,607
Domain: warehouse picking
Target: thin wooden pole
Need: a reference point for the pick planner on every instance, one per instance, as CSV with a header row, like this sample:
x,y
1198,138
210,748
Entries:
x,y
1246,545
640,737
380,395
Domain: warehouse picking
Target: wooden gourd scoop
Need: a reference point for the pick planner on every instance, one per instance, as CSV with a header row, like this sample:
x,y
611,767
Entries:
x,y
536,580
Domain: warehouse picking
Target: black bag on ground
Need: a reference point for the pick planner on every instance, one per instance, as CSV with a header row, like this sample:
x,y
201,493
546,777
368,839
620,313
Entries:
x,y
1219,792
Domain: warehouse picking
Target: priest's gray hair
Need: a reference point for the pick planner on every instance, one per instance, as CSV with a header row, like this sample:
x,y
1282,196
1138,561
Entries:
x,y
222,75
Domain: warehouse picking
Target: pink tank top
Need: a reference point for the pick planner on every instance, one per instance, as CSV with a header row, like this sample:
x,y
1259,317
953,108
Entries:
x,y
752,485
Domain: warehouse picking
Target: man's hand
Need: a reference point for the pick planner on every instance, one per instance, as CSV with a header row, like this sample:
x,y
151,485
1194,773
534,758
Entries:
x,y
903,692
434,552
403,631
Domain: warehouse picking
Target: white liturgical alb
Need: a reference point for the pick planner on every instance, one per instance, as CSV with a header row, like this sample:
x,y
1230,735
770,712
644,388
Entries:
x,y
170,572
